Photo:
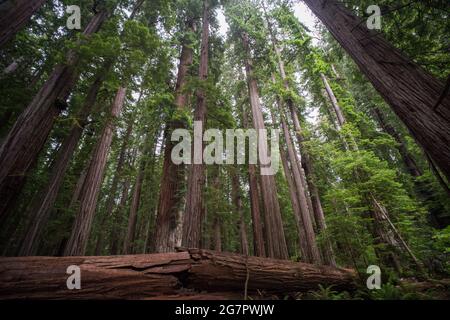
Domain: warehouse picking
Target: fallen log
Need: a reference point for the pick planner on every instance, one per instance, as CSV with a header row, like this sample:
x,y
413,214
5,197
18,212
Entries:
x,y
189,273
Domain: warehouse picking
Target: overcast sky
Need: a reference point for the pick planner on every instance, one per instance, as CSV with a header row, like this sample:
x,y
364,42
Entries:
x,y
301,11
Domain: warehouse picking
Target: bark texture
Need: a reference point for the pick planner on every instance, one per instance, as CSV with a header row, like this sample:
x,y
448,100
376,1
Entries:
x,y
89,194
43,204
310,237
134,207
255,206
110,203
411,92
14,16
28,135
172,174
193,215
237,202
276,242
164,275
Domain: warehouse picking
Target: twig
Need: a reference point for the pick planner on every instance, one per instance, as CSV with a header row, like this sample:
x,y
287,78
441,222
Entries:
x,y
247,278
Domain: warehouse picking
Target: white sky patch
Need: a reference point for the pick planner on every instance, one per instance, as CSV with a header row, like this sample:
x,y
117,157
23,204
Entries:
x,y
305,16
223,25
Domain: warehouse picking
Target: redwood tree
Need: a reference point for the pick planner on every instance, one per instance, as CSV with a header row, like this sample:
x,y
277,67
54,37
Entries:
x,y
27,137
15,15
276,242
193,216
172,174
89,194
41,207
413,94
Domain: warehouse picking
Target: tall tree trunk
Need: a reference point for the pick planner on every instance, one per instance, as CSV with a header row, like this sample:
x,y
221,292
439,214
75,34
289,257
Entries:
x,y
115,230
237,202
41,208
310,236
15,15
319,215
193,216
134,207
305,165
113,190
89,195
276,242
217,234
255,207
303,243
27,137
172,178
337,109
410,91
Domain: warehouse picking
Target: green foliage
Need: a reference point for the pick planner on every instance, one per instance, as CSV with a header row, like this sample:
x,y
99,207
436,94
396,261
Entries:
x,y
327,293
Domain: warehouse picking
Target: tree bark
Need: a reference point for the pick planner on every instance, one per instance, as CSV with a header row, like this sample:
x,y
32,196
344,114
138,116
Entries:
x,y
15,15
112,193
173,175
276,242
115,233
237,202
28,135
411,92
255,207
193,215
159,275
303,243
314,253
89,194
134,207
307,164
41,208
337,108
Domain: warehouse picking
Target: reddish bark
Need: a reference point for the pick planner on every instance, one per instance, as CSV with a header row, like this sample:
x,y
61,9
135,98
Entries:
x,y
303,243
255,207
27,137
115,231
411,92
276,242
237,202
41,208
172,174
89,194
165,276
134,207
15,15
314,253
193,215
114,185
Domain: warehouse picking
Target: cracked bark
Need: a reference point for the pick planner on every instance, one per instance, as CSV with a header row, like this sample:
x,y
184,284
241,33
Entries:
x,y
184,273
